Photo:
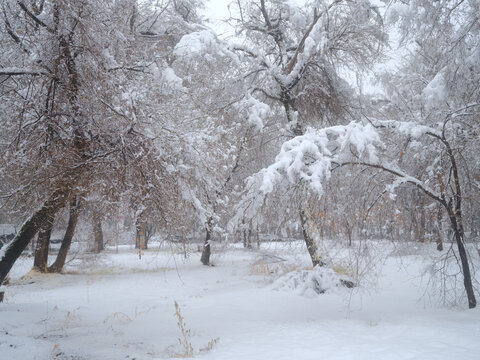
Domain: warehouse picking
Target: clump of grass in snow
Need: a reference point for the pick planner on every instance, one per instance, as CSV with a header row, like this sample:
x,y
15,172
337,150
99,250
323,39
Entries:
x,y
185,341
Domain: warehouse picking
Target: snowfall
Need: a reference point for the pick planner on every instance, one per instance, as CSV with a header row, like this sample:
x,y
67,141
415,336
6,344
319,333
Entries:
x,y
260,303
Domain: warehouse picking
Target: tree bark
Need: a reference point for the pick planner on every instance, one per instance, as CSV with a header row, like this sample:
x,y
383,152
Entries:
x,y
457,227
141,232
59,262
98,235
309,242
205,259
28,231
439,230
40,262
297,131
456,220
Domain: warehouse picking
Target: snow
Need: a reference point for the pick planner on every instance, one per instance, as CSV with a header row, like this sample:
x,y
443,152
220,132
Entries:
x,y
7,229
170,80
397,10
115,306
435,93
257,111
309,158
311,282
196,43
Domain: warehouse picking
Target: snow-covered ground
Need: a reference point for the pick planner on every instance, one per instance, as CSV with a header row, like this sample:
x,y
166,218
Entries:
x,y
117,306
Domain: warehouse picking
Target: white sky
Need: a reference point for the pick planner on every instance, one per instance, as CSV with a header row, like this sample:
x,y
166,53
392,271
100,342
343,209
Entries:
x,y
215,12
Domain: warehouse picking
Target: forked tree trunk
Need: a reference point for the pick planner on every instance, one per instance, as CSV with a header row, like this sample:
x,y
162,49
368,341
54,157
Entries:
x,y
59,262
205,259
40,262
28,231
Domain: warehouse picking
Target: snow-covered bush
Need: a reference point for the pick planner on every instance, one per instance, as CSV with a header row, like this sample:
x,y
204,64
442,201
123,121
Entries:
x,y
313,282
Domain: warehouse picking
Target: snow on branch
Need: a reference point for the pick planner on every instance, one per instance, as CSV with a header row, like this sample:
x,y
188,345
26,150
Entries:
x,y
195,43
201,43
251,52
21,71
256,110
401,178
408,128
310,157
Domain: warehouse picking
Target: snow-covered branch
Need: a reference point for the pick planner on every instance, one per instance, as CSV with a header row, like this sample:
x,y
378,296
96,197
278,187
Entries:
x,y
20,71
408,128
310,157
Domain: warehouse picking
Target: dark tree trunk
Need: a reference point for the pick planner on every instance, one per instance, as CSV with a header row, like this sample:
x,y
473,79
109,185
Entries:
x,y
28,231
249,240
349,232
98,235
467,277
456,220
59,262
205,259
422,224
439,230
40,262
309,242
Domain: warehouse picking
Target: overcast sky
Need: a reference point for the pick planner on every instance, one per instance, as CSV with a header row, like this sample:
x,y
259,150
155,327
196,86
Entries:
x,y
216,11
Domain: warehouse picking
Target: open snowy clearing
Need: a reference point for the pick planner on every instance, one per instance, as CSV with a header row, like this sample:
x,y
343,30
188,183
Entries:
x,y
120,307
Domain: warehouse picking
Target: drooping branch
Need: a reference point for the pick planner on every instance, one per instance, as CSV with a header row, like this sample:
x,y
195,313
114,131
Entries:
x,y
401,175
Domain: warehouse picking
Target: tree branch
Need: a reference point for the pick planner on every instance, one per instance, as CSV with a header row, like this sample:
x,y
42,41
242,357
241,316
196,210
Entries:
x,y
34,17
407,178
11,72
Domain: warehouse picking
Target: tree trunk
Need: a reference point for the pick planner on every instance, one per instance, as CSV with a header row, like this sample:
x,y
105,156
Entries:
x,y
456,220
422,224
247,238
349,232
28,231
205,259
59,262
98,235
40,262
249,241
459,239
309,242
141,232
297,131
439,230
